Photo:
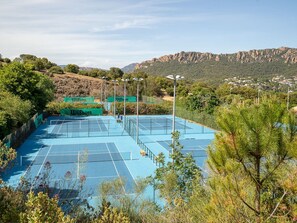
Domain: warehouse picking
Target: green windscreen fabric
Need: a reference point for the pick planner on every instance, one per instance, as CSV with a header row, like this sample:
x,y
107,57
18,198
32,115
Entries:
x,y
79,99
38,120
121,99
81,111
19,135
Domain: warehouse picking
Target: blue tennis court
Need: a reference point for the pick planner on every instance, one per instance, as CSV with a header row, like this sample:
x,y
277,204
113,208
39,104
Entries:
x,y
150,124
96,162
67,127
99,149
77,125
196,147
162,125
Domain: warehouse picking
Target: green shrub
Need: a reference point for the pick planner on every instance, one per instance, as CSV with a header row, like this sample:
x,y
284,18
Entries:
x,y
144,109
56,70
12,202
5,124
55,107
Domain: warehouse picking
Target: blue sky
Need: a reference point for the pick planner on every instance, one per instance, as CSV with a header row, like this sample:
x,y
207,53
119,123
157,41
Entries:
x,y
110,33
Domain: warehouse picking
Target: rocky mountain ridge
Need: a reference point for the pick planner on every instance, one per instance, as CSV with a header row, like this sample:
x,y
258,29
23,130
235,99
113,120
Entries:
x,y
283,54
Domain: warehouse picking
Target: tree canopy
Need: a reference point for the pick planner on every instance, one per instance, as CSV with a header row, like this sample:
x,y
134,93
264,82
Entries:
x,y
14,112
115,73
253,164
73,68
27,84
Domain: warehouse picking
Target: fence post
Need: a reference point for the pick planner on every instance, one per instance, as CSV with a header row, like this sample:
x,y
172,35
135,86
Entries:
x,y
67,130
89,127
108,124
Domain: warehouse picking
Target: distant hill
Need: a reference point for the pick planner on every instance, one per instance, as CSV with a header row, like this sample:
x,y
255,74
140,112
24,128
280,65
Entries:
x,y
129,68
214,68
70,84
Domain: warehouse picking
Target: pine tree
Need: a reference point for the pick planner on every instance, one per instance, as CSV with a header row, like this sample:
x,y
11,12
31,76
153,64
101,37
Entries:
x,y
253,165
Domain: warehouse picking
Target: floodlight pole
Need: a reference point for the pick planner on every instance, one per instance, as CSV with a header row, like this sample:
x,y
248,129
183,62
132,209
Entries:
x,y
125,82
174,107
101,96
174,78
102,89
137,108
114,98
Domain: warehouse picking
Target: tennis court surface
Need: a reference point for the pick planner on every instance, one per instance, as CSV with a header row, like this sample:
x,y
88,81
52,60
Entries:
x,y
195,147
81,160
99,149
71,127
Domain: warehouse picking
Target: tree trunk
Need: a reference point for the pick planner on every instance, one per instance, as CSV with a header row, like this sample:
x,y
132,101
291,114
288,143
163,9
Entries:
x,y
258,190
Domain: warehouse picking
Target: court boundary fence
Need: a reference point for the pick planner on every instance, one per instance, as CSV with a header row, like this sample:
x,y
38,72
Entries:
x,y
151,131
196,116
149,153
69,124
17,137
183,126
152,100
131,130
199,117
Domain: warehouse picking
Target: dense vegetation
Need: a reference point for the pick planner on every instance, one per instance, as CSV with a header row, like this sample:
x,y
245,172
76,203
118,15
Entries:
x,y
144,109
112,73
23,93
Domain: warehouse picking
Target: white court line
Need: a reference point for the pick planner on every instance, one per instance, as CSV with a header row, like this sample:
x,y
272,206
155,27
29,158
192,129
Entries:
x,y
142,126
167,143
42,165
203,148
60,128
153,123
159,124
58,132
99,125
127,167
29,167
44,160
114,165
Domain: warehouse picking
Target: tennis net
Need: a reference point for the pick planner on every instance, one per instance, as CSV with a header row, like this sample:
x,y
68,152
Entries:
x,y
86,122
154,126
74,128
79,157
